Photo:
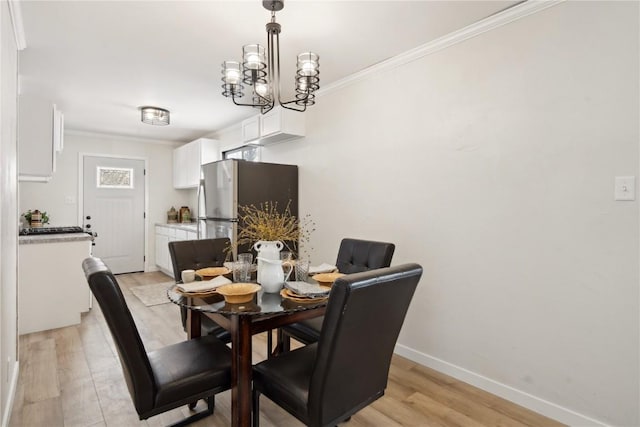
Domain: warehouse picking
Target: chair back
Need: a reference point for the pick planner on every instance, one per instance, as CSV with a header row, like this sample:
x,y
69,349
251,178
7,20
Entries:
x,y
357,255
196,254
360,329
133,356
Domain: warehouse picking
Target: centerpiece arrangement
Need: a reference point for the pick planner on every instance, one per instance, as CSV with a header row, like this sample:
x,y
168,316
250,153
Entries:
x,y
268,230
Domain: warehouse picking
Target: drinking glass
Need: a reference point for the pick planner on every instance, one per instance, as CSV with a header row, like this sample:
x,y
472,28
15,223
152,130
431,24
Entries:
x,y
246,257
302,270
241,272
286,256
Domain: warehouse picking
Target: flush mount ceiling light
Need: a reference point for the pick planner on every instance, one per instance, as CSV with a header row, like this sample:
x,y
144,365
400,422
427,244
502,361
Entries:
x,y
262,72
154,116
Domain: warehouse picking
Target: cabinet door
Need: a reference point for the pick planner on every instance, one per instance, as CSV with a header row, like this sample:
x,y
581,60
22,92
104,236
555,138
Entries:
x,y
36,150
162,252
209,151
271,122
178,167
192,164
251,129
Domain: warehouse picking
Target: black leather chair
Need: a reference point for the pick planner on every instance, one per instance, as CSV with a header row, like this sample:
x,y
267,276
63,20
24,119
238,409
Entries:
x,y
194,255
354,256
166,378
324,383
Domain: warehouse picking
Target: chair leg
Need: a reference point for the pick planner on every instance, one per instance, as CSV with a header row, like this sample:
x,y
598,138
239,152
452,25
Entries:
x,y
255,410
211,403
284,342
270,350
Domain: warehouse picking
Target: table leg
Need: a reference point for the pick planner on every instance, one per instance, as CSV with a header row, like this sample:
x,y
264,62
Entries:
x,y
241,371
194,321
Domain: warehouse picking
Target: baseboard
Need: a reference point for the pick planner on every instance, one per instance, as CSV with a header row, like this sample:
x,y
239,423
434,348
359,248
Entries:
x,y
529,401
11,395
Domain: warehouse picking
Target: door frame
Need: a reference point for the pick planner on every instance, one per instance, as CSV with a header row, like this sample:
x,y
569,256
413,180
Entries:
x,y
81,156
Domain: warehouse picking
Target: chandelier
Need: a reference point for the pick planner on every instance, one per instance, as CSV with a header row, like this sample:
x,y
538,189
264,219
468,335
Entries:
x,y
260,72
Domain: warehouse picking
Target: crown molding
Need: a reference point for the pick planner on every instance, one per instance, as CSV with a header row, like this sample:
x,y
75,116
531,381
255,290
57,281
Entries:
x,y
497,20
15,11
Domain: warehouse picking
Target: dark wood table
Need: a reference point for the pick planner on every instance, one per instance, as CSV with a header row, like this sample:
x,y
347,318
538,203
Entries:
x,y
265,312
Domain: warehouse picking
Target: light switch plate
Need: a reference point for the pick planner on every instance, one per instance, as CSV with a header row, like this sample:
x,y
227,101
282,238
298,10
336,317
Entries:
x,y
625,188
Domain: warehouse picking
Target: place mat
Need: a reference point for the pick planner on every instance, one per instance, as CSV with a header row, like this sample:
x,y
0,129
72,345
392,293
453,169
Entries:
x,y
288,294
196,294
308,289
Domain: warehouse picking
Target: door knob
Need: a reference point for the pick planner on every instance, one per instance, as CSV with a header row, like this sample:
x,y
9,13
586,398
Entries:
x,y
88,226
88,216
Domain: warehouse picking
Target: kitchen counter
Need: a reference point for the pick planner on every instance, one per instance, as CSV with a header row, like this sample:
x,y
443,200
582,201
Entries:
x,y
54,238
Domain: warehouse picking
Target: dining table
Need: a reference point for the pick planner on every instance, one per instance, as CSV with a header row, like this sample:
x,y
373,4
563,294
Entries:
x,y
265,312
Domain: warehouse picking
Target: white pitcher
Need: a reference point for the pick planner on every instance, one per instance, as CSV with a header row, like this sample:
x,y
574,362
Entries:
x,y
270,273
273,276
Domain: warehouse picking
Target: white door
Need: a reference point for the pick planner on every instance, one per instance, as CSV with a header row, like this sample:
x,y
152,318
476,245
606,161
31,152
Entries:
x,y
113,207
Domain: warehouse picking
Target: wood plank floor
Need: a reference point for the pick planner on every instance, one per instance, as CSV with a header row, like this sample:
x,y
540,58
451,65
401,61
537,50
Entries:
x,y
71,377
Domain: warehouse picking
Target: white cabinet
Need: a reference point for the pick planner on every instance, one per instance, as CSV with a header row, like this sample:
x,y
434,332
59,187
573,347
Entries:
x,y
163,260
166,234
40,138
277,125
251,129
188,158
52,289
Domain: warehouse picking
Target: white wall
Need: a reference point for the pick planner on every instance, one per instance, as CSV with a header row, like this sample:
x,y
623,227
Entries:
x,y
50,196
492,164
8,216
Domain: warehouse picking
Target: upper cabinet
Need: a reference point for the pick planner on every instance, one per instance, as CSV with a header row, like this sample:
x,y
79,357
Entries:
x,y
40,138
188,158
277,125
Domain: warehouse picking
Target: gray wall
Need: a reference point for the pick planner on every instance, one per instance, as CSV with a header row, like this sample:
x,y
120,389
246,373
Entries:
x,y
492,164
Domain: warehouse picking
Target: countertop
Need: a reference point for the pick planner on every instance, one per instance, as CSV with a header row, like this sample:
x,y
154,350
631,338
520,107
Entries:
x,y
54,238
188,226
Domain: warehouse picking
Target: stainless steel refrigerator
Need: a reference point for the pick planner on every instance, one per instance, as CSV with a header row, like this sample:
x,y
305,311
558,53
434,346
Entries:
x,y
228,184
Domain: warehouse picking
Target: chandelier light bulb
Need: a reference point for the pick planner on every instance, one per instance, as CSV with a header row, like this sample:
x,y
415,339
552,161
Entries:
x,y
233,76
262,89
308,68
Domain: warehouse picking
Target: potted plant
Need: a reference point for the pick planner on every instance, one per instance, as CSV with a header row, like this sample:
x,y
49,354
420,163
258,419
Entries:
x,y
28,215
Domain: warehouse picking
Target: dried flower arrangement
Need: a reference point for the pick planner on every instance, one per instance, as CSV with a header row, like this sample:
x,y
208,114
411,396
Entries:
x,y
266,222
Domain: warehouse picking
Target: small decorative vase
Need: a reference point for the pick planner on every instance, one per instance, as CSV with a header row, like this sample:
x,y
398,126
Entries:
x,y
36,219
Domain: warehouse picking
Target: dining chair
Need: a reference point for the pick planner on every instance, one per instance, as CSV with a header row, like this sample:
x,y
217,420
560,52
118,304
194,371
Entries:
x,y
326,382
354,256
194,255
166,378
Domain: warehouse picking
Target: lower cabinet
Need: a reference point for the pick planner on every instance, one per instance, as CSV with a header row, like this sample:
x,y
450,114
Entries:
x,y
164,235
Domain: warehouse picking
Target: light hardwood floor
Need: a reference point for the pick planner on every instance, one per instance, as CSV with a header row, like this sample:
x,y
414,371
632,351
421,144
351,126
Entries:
x,y
71,377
